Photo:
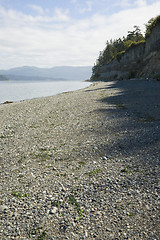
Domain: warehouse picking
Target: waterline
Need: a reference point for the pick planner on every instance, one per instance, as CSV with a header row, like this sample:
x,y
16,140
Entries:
x,y
17,91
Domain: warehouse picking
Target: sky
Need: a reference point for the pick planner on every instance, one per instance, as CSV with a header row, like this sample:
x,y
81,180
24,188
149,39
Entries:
x,y
49,33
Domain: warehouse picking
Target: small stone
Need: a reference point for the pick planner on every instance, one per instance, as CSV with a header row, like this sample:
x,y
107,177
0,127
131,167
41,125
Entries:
x,y
9,228
95,148
74,224
104,158
53,210
86,233
108,229
3,208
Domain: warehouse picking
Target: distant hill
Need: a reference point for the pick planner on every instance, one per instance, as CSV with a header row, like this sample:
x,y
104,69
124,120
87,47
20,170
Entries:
x,y
55,73
3,78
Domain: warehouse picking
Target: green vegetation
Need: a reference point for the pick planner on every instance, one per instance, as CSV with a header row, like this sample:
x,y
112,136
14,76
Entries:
x,y
94,172
151,24
43,155
36,231
125,170
115,49
19,194
131,214
82,163
73,201
120,106
147,119
56,203
42,236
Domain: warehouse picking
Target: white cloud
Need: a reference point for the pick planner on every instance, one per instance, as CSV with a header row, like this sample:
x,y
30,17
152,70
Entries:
x,y
37,9
87,8
59,40
61,15
123,3
141,3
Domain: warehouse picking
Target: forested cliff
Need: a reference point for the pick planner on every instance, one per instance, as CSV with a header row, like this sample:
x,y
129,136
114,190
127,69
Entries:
x,y
134,56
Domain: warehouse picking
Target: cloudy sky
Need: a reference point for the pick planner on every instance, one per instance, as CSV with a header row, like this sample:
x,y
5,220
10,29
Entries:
x,y
48,33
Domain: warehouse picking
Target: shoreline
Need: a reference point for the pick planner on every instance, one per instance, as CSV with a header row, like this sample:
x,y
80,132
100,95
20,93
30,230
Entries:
x,y
41,89
82,164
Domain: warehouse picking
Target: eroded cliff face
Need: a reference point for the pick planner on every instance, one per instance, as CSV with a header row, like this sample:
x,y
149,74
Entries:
x,y
142,60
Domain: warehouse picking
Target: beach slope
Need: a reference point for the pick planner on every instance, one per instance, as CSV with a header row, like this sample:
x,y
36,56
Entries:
x,y
83,164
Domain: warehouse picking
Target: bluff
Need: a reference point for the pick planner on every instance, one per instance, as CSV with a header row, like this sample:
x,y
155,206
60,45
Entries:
x,y
138,61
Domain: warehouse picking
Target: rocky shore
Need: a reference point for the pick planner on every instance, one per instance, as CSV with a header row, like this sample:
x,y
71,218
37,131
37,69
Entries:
x,y
83,164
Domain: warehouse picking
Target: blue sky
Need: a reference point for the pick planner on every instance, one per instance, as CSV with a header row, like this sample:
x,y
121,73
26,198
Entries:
x,y
48,33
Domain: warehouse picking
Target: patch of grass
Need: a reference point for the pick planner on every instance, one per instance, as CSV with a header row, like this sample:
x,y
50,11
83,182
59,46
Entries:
x,y
36,231
121,106
63,174
147,119
131,214
73,201
18,194
44,154
56,203
82,163
125,170
21,159
42,236
92,173
116,135
21,176
42,157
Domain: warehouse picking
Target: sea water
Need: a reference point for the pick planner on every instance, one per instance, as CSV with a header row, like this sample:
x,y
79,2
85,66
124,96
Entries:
x,y
23,90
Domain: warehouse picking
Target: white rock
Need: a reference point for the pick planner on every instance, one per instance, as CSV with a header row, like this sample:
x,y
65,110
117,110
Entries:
x,y
53,210
3,208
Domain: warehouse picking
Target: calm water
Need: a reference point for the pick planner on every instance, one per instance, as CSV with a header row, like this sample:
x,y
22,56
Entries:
x,y
16,91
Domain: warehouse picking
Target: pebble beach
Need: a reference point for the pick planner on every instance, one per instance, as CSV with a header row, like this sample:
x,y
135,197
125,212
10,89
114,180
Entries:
x,y
82,164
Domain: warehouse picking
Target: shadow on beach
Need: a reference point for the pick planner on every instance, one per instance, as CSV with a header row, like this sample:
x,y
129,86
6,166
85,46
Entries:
x,y
135,109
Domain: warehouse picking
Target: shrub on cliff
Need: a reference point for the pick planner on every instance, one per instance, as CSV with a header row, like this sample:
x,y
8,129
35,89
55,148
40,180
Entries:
x,y
115,48
151,24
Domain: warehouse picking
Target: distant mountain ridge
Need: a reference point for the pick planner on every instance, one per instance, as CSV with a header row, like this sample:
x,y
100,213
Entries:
x,y
3,78
55,73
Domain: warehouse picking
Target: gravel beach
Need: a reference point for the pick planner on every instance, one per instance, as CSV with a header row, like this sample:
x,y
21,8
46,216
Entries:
x,y
83,164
